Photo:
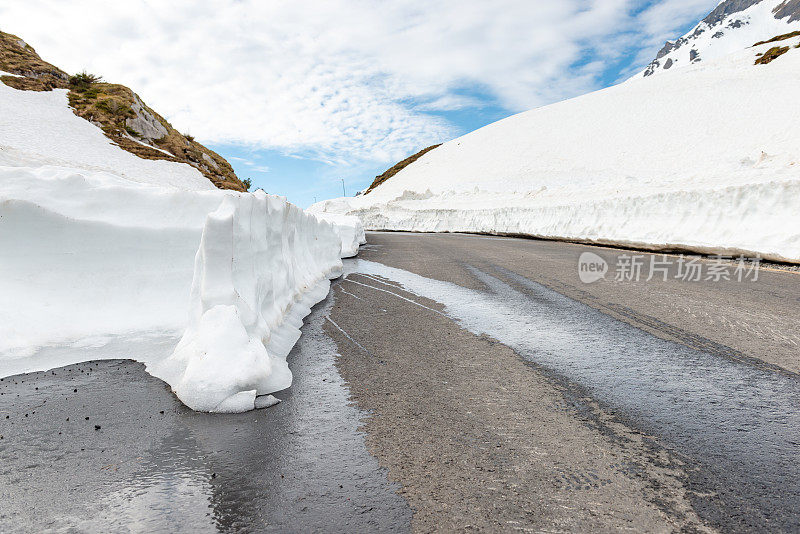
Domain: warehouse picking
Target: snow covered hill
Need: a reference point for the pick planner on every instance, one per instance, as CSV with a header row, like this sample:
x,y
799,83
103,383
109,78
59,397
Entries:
x,y
706,158
732,26
112,110
108,255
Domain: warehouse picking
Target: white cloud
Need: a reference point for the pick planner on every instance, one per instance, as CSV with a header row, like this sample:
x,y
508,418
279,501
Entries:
x,y
451,102
661,20
339,80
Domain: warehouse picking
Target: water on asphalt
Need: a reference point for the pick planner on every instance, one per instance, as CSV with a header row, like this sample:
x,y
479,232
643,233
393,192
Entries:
x,y
737,423
299,466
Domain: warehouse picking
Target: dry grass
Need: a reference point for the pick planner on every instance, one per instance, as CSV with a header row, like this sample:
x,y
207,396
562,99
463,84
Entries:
x,y
17,57
103,103
109,106
772,54
778,38
46,83
399,167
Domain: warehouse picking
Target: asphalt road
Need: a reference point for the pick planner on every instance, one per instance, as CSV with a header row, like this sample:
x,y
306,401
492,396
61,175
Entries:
x,y
449,382
153,465
505,393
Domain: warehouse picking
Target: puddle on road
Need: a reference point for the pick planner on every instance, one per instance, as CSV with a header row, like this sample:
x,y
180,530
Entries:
x,y
299,466
740,424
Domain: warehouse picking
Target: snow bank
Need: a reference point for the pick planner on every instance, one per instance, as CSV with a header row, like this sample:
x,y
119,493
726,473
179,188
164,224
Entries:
x,y
105,255
261,265
706,158
349,228
88,256
88,259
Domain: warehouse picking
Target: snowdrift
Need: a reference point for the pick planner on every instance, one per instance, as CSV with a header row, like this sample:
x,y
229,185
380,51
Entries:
x,y
705,158
105,255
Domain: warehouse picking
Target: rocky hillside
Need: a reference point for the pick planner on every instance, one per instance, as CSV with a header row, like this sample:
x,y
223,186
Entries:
x,y
119,112
733,25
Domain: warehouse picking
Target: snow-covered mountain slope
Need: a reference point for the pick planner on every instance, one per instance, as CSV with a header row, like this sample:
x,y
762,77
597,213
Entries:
x,y
706,158
107,255
732,26
38,128
112,109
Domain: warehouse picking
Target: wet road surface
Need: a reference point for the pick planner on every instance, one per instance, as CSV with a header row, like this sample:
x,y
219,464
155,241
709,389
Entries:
x,y
155,466
492,391
726,418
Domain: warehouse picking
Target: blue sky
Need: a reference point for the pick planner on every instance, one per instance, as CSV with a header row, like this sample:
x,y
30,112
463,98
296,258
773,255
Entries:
x,y
305,179
300,94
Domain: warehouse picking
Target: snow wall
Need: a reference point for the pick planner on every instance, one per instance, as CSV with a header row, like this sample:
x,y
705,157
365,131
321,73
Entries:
x,y
92,261
350,230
